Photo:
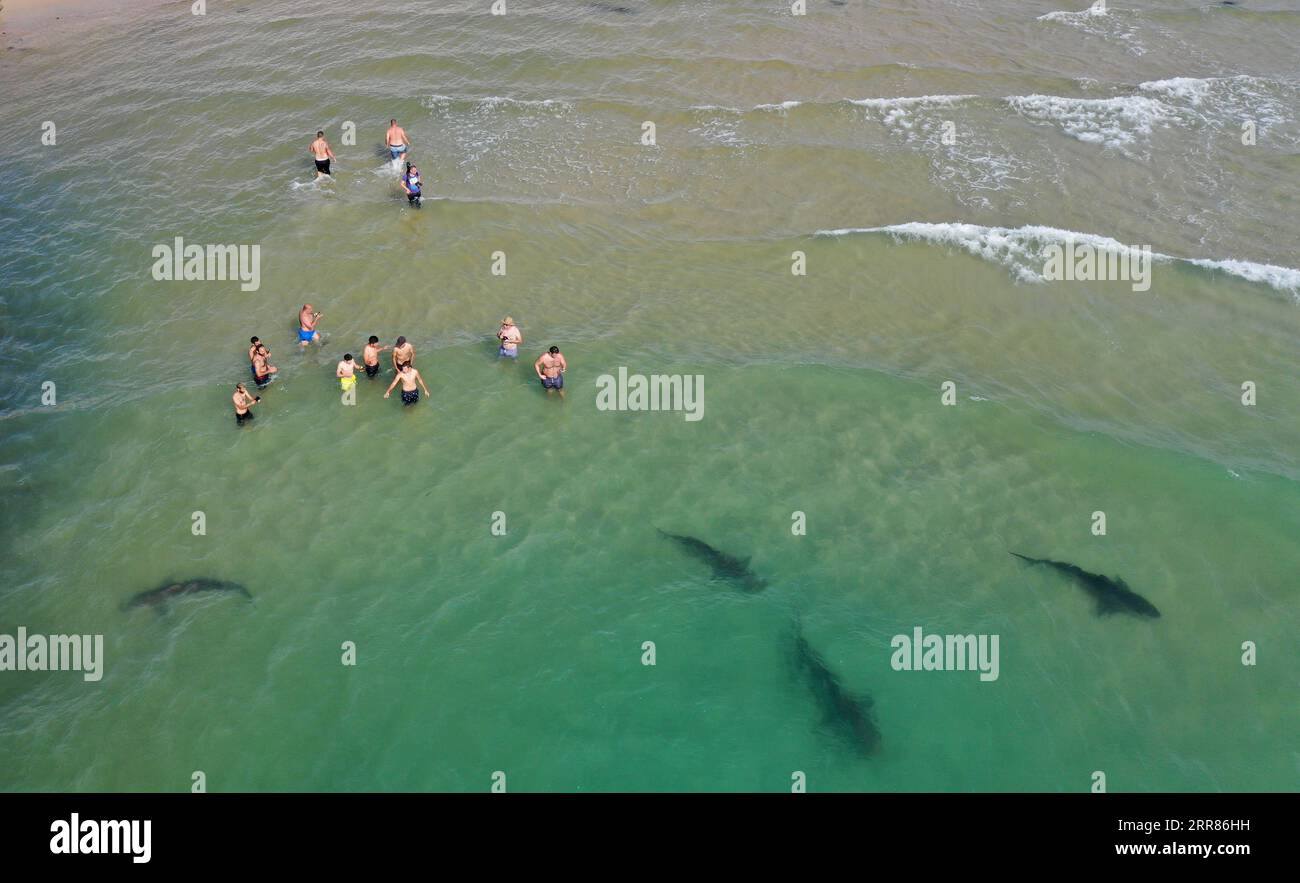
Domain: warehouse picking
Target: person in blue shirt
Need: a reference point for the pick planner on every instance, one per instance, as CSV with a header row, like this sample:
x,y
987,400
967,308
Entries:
x,y
412,185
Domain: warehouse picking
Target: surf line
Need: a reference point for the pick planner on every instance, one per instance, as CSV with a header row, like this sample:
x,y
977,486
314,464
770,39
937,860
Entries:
x,y
1071,262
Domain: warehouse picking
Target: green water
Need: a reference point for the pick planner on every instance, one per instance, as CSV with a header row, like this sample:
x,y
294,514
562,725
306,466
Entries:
x,y
523,653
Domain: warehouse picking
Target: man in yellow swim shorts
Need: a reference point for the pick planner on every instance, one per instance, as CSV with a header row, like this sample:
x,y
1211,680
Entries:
x,y
346,372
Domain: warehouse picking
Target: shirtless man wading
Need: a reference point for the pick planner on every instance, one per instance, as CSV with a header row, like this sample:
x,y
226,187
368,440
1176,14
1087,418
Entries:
x,y
408,377
320,151
243,401
403,352
397,141
254,345
550,367
307,318
262,367
370,355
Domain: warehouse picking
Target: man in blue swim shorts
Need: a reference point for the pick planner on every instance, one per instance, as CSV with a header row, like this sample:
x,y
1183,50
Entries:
x,y
510,338
307,318
397,141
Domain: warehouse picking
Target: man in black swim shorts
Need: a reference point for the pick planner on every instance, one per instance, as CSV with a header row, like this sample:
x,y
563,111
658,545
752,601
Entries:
x,y
320,151
243,403
262,367
408,377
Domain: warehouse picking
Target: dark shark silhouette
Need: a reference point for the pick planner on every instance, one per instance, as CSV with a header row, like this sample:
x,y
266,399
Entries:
x,y
726,567
160,597
851,716
1111,595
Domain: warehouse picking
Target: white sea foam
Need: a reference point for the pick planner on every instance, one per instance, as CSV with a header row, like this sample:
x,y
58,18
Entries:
x,y
899,112
1189,89
495,102
1096,10
1281,278
1098,21
886,105
1223,101
971,164
1025,250
1112,122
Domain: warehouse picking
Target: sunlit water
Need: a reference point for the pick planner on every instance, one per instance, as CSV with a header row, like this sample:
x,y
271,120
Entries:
x,y
523,653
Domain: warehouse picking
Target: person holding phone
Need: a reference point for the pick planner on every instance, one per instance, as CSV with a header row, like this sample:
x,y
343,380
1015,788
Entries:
x,y
243,404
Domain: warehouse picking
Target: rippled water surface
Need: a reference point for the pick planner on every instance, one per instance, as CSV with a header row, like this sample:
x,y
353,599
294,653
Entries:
x,y
924,157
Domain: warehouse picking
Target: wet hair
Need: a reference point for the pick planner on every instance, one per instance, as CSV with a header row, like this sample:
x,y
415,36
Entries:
x,y
254,339
403,366
239,387
401,340
553,350
392,122
374,339
347,357
320,134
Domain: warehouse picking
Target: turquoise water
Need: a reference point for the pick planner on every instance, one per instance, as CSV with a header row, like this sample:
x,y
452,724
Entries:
x,y
522,653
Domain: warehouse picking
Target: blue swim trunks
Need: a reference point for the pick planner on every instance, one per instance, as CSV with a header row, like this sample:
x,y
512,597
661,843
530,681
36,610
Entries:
x,y
556,382
509,354
305,336
396,150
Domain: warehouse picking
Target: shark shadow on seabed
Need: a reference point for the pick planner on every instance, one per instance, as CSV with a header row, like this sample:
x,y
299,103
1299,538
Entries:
x,y
850,716
724,566
1111,595
161,597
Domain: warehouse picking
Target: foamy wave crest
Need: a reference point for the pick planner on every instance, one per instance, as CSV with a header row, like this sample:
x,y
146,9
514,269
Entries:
x,y
1096,10
1281,278
1189,89
1112,122
884,105
911,101
898,111
494,102
1025,250
1226,100
1098,21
